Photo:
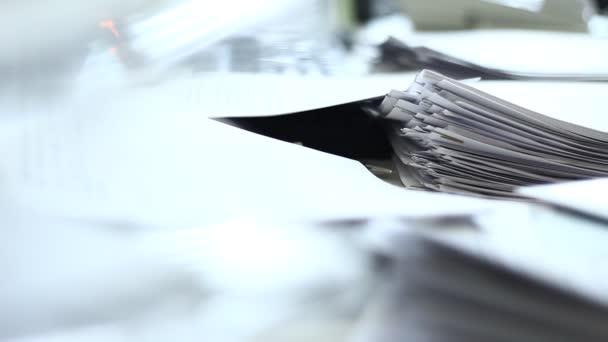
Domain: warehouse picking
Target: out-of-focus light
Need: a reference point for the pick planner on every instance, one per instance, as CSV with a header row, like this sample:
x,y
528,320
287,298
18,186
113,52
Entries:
x,y
110,25
529,5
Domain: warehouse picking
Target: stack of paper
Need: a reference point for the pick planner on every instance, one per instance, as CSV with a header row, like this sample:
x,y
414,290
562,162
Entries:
x,y
397,55
501,54
524,275
451,137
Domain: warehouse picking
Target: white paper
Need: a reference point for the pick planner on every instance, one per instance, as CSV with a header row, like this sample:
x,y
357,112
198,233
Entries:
x,y
588,196
85,281
434,294
219,95
579,103
145,163
208,94
556,248
523,51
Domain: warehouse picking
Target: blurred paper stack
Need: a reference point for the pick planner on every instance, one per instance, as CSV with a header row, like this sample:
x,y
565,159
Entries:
x,y
451,137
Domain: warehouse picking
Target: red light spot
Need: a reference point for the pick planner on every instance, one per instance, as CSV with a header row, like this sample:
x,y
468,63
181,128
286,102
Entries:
x,y
110,25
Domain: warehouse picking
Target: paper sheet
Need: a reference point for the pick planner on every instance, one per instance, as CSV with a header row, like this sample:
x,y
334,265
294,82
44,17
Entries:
x,y
69,280
523,51
576,102
554,247
525,268
147,164
588,196
208,94
262,95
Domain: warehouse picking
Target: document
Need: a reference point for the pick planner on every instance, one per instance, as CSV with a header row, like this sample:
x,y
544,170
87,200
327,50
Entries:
x,y
521,273
551,98
248,95
456,138
86,280
142,162
500,54
587,196
212,95
541,52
